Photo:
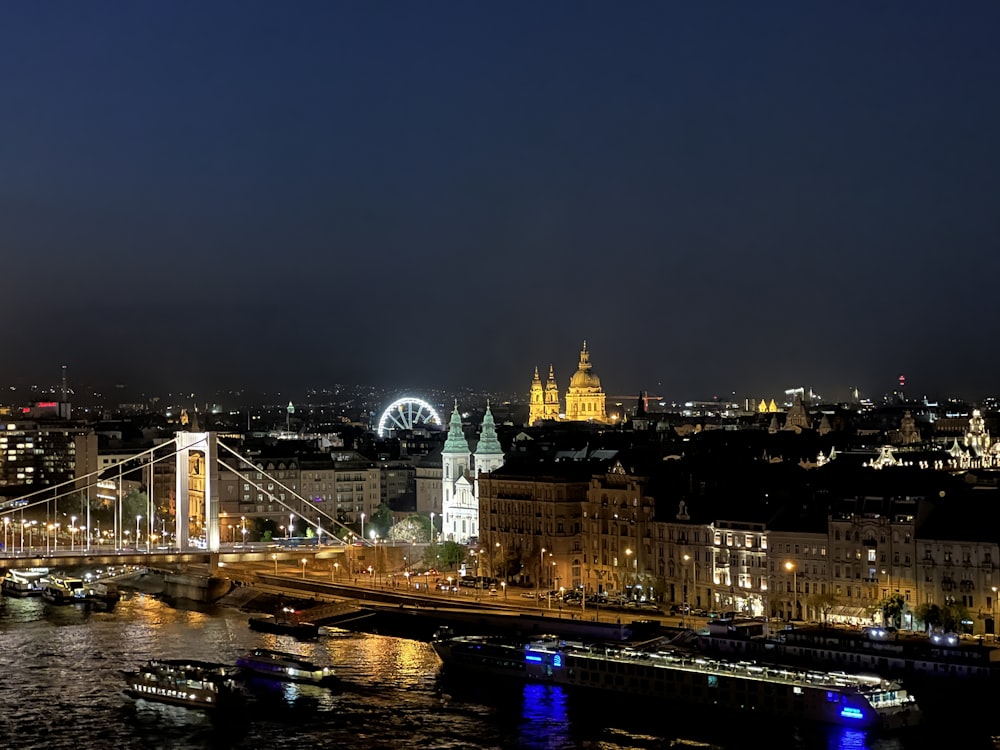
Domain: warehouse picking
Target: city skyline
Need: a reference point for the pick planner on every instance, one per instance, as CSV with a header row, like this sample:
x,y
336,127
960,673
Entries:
x,y
721,200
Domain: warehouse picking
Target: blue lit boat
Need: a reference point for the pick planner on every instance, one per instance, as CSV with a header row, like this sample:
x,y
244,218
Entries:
x,y
680,677
280,665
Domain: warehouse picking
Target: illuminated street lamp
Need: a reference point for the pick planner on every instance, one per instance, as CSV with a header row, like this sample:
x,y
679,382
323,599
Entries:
x,y
6,525
684,607
72,533
137,519
795,588
541,567
291,525
503,585
433,534
362,525
303,561
503,560
336,571
243,529
994,613
275,558
628,559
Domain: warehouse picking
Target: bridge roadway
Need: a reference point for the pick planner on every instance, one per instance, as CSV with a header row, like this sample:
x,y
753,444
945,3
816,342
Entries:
x,y
227,555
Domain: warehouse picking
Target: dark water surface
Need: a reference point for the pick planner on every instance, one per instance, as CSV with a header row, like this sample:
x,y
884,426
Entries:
x,y
61,687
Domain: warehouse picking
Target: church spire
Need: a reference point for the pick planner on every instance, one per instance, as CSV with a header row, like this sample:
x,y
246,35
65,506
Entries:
x,y
456,442
489,445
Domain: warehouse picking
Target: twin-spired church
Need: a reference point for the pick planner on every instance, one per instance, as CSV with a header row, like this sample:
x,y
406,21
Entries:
x,y
460,470
461,467
585,400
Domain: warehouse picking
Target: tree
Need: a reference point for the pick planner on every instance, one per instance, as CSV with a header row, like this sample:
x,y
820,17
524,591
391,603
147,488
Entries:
x,y
892,609
952,616
447,555
822,603
382,520
930,615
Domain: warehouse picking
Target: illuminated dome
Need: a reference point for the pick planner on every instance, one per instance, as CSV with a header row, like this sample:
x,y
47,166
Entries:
x,y
585,399
584,377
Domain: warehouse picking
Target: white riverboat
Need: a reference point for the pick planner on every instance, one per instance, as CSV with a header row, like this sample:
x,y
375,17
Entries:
x,y
183,682
681,677
22,583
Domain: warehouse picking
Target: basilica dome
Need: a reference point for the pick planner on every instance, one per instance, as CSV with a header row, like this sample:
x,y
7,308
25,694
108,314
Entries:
x,y
584,378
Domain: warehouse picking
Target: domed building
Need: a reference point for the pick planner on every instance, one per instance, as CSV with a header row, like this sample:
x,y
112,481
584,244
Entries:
x,y
585,399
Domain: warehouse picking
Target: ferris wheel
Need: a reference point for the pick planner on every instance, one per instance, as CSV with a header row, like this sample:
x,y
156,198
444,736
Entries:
x,y
405,413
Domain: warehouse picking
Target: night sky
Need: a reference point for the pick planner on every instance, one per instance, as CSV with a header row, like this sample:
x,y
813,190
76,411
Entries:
x,y
720,197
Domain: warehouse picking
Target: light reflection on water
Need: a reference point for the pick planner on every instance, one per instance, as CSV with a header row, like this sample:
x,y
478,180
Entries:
x,y
61,684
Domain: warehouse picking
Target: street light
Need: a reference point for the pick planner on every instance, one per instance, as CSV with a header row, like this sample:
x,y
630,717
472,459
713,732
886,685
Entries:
x,y
795,588
541,567
502,559
336,571
362,525
433,529
243,529
232,533
137,519
994,613
291,525
275,558
72,533
303,561
684,606
6,524
48,537
628,559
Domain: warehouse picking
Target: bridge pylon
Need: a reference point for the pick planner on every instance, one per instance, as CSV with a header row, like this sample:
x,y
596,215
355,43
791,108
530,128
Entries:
x,y
197,488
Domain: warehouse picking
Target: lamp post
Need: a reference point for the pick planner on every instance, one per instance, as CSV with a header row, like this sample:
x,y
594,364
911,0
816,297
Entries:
x,y
994,613
137,519
275,558
433,535
503,585
291,525
684,605
243,529
503,561
628,560
303,561
72,533
795,588
232,534
6,525
336,572
541,567
362,525
48,539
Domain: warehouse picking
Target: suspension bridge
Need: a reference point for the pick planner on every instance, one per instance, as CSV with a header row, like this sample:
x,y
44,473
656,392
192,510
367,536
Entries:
x,y
195,522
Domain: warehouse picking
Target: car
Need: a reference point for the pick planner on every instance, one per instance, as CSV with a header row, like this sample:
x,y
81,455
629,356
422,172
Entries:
x,y
493,591
527,595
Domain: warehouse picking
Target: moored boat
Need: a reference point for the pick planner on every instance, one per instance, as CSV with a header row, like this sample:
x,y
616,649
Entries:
x,y
63,590
183,682
284,666
682,677
19,583
284,624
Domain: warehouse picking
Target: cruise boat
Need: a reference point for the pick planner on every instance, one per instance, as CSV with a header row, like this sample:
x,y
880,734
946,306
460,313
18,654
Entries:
x,y
678,676
19,583
63,590
284,666
183,682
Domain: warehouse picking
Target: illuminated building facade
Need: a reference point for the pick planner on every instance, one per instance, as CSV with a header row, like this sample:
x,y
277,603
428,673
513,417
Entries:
x,y
585,399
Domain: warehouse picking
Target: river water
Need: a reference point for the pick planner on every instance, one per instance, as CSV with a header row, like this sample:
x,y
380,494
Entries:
x,y
61,687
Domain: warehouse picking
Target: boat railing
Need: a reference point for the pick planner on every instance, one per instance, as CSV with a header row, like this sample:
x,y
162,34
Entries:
x,y
678,659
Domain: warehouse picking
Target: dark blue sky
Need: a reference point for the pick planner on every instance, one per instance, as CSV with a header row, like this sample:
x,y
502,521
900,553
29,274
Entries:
x,y
718,196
